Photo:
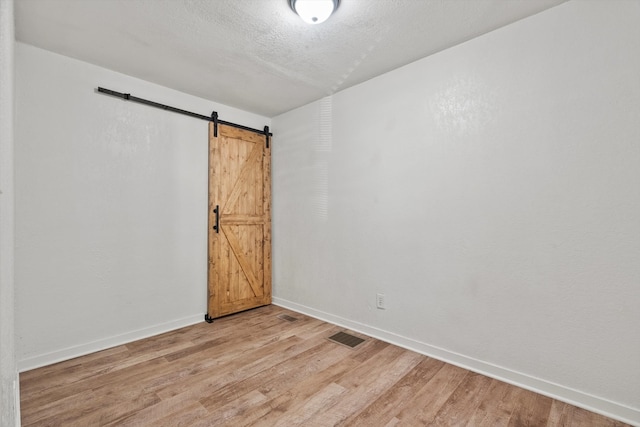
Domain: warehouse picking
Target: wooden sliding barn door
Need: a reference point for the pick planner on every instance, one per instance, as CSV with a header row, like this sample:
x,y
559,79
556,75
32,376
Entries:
x,y
239,272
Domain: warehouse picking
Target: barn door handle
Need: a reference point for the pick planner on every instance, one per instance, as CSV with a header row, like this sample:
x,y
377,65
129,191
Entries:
x,y
217,212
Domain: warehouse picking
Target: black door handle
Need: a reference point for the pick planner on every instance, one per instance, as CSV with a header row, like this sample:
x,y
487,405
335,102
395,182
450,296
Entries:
x,y
217,212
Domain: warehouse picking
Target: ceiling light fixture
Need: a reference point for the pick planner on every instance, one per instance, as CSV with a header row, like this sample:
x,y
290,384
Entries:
x,y
314,11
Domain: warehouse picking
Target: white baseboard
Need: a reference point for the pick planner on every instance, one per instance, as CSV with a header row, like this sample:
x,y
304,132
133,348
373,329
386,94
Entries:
x,y
103,344
556,391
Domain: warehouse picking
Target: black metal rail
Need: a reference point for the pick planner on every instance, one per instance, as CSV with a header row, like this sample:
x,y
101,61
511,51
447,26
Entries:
x,y
212,118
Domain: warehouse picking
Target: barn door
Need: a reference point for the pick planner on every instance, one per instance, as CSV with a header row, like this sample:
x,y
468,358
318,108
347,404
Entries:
x,y
239,273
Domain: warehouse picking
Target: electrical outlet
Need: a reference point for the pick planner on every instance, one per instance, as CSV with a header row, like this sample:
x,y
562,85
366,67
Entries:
x,y
380,301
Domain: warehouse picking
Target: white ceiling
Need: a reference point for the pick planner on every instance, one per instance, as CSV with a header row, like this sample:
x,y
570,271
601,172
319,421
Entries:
x,y
258,55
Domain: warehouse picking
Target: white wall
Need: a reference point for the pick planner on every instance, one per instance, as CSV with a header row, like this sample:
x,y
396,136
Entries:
x,y
111,208
9,386
492,193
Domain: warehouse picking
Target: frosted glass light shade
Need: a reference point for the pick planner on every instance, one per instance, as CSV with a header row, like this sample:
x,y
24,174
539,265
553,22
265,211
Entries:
x,y
314,11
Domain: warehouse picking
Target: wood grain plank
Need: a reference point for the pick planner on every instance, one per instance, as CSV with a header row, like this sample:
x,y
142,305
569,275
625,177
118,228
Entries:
x,y
266,260
284,400
500,414
239,187
377,382
463,402
237,407
488,403
287,400
315,407
107,379
432,396
215,267
189,389
247,269
254,368
582,417
236,368
384,408
241,134
291,369
228,365
36,381
560,414
186,417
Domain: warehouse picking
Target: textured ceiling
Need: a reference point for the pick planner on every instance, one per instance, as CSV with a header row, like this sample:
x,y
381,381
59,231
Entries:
x,y
258,55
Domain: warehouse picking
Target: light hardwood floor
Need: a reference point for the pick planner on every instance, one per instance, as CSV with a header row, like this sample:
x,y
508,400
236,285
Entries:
x,y
255,368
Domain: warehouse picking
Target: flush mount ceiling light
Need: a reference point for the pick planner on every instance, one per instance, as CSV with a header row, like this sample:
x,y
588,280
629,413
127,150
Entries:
x,y
314,11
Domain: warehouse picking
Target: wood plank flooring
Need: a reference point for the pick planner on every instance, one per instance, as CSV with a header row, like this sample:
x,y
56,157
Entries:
x,y
256,368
